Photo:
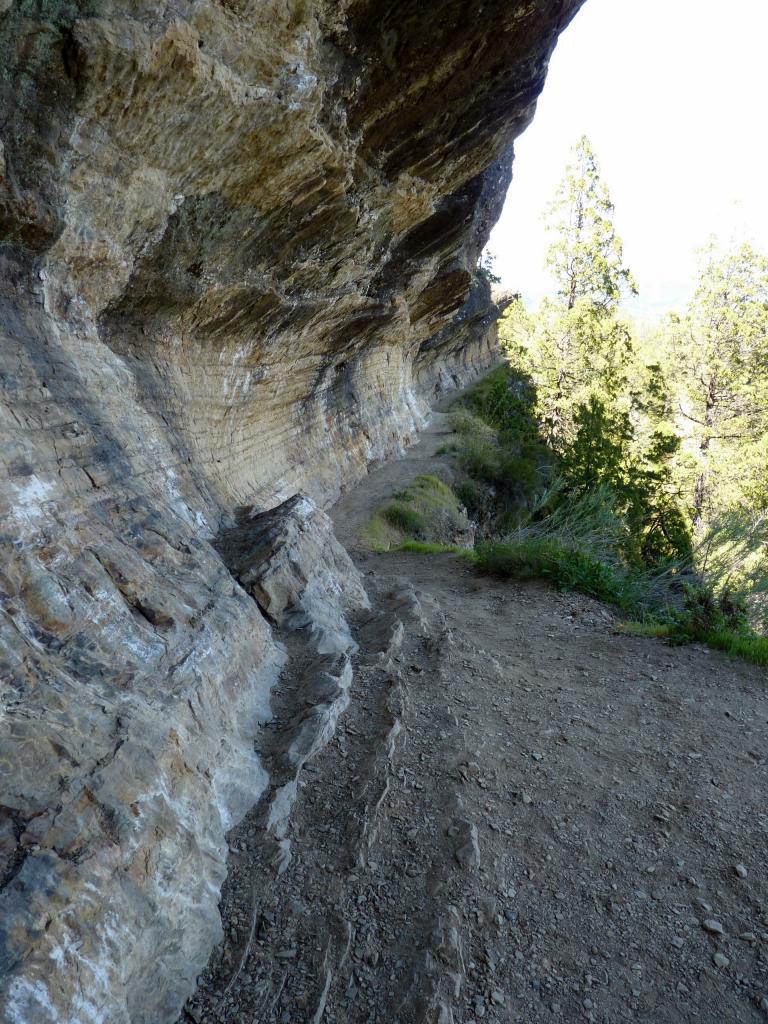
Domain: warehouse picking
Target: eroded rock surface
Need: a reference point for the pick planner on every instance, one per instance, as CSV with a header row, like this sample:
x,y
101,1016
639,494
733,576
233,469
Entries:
x,y
237,248
292,564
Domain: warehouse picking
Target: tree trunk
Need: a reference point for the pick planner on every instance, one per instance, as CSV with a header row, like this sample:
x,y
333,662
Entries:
x,y
702,487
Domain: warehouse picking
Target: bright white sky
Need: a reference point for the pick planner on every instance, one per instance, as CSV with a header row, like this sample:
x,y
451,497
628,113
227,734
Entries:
x,y
673,95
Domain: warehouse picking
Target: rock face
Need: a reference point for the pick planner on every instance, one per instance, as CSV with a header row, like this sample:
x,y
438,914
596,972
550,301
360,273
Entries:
x,y
238,243
292,564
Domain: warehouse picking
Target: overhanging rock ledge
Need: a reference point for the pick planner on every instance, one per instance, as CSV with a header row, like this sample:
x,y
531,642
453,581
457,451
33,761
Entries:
x,y
238,244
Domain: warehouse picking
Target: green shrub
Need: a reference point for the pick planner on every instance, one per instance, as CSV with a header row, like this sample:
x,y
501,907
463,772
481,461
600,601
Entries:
x,y
480,459
469,494
504,399
707,612
406,519
464,423
567,569
498,440
517,473
747,645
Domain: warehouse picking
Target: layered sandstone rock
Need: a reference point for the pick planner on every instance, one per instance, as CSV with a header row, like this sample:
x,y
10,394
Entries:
x,y
238,243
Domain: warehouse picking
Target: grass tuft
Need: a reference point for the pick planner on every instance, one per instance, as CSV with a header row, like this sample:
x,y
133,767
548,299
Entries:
x,y
421,547
566,569
750,647
408,520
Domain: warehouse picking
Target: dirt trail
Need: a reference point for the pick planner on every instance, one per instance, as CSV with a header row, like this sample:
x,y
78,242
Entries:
x,y
523,817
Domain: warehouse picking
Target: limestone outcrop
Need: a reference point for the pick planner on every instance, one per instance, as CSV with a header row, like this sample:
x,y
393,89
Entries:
x,y
238,243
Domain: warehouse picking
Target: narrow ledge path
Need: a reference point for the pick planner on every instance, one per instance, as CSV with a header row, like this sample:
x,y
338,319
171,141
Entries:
x,y
524,816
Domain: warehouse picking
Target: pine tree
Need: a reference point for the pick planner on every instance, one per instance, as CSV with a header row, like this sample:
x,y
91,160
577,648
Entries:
x,y
604,414
586,257
580,344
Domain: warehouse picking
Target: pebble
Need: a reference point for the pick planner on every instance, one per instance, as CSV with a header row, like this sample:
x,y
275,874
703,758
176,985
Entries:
x,y
721,960
740,870
748,937
497,997
678,942
764,1004
712,926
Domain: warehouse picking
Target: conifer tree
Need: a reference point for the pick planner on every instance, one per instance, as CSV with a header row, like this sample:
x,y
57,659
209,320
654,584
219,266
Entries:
x,y
603,413
586,256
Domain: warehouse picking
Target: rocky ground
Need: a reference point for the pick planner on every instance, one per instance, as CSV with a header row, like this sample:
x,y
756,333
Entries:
x,y
523,816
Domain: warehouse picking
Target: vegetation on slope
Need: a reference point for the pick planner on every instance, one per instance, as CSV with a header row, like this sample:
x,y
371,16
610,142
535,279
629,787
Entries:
x,y
632,469
426,512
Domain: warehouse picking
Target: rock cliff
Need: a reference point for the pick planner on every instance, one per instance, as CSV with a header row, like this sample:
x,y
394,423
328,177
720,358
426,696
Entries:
x,y
238,243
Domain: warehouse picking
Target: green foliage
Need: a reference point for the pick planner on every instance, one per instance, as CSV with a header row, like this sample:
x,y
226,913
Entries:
x,y
577,542
605,451
469,494
752,648
649,628
427,511
586,257
597,452
623,465
485,268
428,484
731,556
565,568
570,354
500,446
408,520
467,424
717,356
418,547
604,413
504,399
707,612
